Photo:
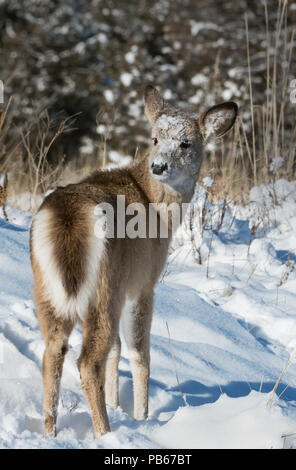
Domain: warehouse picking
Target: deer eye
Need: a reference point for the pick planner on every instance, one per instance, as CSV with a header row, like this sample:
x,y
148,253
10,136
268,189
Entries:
x,y
155,141
185,144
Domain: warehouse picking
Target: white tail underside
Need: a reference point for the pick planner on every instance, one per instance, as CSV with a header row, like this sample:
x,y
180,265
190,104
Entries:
x,y
43,250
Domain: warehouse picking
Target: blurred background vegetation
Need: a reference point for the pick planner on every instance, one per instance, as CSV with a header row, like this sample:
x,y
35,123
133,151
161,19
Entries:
x,y
73,73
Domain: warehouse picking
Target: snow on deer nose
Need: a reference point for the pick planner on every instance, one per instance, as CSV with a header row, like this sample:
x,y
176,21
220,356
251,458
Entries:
x,y
163,155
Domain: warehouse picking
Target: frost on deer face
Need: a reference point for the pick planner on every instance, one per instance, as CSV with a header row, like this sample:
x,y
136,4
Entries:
x,y
177,138
176,152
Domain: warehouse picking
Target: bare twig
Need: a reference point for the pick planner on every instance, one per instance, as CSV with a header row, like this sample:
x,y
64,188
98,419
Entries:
x,y
175,366
271,400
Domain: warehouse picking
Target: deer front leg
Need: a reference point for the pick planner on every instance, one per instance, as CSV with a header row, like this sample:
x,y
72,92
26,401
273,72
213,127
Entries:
x,y
111,379
136,327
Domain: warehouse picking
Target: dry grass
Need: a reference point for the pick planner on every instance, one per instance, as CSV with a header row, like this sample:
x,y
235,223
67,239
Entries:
x,y
25,159
246,157
273,398
4,195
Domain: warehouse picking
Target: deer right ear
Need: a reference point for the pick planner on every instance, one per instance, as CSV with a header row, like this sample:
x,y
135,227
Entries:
x,y
154,103
218,120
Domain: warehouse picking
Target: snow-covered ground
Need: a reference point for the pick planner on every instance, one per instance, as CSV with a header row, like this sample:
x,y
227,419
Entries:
x,y
222,334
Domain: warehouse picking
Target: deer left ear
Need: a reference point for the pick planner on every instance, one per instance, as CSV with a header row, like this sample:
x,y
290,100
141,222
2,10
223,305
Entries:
x,y
218,120
154,103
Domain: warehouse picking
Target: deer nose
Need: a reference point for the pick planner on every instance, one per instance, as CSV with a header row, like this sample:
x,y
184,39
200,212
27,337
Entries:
x,y
159,168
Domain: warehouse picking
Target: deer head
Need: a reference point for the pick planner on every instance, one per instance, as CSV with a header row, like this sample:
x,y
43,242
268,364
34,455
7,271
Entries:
x,y
178,138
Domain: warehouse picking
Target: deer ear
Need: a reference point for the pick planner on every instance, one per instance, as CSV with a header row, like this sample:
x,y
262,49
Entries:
x,y
154,103
218,120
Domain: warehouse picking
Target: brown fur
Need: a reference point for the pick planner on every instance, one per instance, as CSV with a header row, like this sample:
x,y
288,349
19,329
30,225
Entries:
x,y
129,269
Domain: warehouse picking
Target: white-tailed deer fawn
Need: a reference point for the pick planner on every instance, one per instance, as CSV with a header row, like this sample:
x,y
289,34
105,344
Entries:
x,y
80,277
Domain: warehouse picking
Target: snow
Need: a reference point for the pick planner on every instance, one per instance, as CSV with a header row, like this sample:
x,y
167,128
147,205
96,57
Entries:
x,y
199,79
226,327
276,164
240,423
197,26
118,159
126,78
109,96
208,181
87,146
174,125
130,56
167,94
101,129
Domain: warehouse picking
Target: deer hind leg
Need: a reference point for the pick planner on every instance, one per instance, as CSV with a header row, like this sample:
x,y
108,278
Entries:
x,y
136,326
111,379
56,332
99,330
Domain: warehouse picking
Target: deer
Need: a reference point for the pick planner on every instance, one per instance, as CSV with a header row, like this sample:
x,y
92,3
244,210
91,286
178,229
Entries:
x,y
100,281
